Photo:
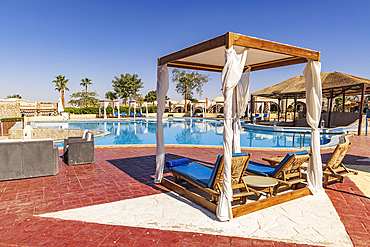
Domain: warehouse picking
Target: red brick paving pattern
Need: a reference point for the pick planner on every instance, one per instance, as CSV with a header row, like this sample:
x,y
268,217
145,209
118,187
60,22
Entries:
x,y
119,174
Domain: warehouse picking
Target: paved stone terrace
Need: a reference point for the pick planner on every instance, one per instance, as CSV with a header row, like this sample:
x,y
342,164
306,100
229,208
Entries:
x,y
123,173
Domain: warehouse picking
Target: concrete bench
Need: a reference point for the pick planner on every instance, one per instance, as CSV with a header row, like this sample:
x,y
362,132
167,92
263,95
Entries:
x,y
28,158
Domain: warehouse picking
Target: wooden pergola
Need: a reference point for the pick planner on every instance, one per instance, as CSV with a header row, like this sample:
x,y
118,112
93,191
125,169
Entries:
x,y
134,102
203,108
334,84
210,56
263,54
105,103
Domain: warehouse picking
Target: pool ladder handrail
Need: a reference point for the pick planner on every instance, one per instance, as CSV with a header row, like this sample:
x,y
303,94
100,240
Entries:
x,y
300,139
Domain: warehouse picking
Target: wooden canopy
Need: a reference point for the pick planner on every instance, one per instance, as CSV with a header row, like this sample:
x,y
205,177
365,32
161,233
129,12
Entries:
x,y
333,85
210,56
263,54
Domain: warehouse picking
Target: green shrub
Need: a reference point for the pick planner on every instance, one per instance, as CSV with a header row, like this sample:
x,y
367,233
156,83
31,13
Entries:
x,y
84,110
11,119
109,110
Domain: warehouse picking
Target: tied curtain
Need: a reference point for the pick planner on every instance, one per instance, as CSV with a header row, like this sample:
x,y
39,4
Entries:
x,y
60,106
313,102
231,74
162,89
240,103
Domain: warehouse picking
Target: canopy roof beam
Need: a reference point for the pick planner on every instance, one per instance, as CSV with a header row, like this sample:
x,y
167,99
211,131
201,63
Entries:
x,y
289,55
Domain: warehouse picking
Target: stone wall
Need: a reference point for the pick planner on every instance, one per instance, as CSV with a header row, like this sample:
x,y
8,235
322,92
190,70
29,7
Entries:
x,y
9,109
55,134
340,118
336,119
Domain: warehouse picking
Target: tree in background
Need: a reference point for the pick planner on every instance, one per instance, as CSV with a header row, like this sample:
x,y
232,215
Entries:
x,y
84,83
14,96
189,82
339,102
127,86
151,96
110,95
60,86
80,99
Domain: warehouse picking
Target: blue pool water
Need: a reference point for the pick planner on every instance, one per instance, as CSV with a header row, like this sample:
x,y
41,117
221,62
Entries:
x,y
182,131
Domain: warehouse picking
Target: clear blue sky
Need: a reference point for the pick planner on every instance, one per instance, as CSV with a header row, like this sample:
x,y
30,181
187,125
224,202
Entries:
x,y
103,39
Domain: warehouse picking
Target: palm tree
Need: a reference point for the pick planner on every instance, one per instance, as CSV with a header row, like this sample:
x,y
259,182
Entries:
x,y
84,83
110,95
60,86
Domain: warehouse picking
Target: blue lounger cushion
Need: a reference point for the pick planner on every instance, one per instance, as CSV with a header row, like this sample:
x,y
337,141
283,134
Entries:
x,y
260,169
196,172
179,162
269,171
202,174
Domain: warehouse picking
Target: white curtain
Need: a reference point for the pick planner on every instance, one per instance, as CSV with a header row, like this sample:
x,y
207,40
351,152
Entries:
x,y
241,101
231,73
105,109
117,108
262,109
313,102
60,106
162,88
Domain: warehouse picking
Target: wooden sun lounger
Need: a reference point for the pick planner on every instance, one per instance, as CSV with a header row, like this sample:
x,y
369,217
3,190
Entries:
x,y
335,169
288,172
211,180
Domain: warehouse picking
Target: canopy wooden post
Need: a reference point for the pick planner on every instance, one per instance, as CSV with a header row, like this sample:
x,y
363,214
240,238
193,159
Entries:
x,y
295,108
206,105
330,108
363,89
344,99
286,107
279,104
253,107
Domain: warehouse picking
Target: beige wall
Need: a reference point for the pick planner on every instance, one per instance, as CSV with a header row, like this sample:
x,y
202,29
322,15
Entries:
x,y
9,110
55,134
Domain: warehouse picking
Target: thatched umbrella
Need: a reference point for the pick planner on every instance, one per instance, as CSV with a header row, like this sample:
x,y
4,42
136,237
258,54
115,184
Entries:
x,y
333,85
335,81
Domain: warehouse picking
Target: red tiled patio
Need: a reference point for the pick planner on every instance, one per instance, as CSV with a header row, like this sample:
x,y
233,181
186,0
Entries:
x,y
124,173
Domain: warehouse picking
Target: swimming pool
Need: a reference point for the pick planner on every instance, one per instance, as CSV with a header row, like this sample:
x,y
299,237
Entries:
x,y
188,131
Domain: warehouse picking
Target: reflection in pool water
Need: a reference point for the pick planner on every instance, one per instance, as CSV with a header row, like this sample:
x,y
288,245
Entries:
x,y
182,131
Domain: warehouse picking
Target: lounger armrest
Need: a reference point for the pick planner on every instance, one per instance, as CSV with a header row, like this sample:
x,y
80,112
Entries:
x,y
291,182
332,174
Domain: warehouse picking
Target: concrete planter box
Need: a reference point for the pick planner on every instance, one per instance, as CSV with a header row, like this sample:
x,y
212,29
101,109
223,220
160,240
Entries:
x,y
27,159
79,151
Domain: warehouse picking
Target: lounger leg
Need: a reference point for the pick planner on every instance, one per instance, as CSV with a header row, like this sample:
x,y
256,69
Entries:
x,y
326,178
275,190
269,194
178,180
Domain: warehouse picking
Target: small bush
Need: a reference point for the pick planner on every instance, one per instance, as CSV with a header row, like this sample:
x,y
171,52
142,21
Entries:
x,y
84,110
11,119
109,110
